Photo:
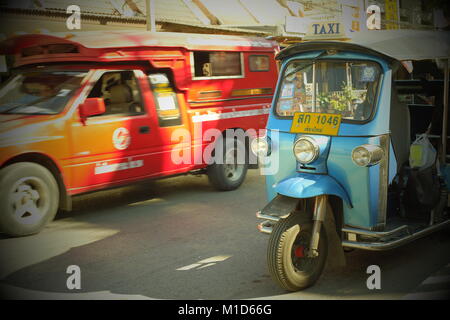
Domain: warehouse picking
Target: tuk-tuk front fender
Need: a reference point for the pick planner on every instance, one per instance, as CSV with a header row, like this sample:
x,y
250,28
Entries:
x,y
311,185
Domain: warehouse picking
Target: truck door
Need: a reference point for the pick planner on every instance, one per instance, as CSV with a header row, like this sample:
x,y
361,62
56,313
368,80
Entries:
x,y
116,146
172,137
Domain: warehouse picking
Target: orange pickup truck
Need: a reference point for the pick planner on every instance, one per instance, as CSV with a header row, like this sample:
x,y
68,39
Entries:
x,y
91,111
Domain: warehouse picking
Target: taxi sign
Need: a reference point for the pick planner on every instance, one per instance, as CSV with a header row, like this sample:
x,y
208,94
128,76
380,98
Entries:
x,y
316,123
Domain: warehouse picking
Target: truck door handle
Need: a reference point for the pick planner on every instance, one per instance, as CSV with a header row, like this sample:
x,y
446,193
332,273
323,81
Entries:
x,y
144,129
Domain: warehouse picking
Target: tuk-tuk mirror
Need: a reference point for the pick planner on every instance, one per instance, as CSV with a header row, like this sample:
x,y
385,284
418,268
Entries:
x,y
92,107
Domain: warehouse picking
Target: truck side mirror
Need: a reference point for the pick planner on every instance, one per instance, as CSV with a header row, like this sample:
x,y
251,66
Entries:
x,y
92,107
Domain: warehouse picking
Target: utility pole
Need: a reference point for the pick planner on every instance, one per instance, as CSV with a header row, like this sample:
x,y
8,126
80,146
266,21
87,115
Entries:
x,y
150,15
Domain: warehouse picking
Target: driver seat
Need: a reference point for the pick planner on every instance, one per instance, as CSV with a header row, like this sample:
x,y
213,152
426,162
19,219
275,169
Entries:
x,y
120,99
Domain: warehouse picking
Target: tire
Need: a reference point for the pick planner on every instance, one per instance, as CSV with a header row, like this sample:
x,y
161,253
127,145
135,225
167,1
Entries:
x,y
29,198
288,241
226,177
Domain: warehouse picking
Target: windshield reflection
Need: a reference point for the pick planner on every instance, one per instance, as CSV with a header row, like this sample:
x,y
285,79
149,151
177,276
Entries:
x,y
43,92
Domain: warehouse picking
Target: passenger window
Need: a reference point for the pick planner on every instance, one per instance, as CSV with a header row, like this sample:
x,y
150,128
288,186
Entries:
x,y
166,101
217,64
120,91
258,63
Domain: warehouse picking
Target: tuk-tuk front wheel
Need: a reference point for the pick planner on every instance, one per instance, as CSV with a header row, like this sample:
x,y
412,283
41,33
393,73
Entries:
x,y
289,264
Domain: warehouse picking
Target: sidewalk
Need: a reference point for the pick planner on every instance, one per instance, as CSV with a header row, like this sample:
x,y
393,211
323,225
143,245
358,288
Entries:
x,y
435,287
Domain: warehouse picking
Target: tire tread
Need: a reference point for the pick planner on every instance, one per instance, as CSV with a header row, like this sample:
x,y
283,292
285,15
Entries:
x,y
274,251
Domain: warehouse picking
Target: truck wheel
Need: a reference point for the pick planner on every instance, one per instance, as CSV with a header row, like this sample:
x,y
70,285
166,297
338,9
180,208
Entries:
x,y
29,198
229,175
286,254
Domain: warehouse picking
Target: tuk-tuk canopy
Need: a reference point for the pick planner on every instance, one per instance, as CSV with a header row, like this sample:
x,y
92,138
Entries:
x,y
391,45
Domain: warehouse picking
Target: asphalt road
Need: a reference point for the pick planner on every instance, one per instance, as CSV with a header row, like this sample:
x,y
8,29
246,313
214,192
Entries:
x,y
178,238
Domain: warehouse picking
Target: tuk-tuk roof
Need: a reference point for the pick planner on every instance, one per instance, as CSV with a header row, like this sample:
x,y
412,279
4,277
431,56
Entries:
x,y
136,39
391,45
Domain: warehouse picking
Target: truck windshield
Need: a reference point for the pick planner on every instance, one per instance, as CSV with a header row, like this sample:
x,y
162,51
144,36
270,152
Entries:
x,y
41,92
338,87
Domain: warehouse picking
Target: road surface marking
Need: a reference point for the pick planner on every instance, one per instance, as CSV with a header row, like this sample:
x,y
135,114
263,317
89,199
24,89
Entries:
x,y
189,267
204,263
214,259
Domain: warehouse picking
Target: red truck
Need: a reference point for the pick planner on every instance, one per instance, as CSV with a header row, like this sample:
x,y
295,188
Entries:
x,y
89,111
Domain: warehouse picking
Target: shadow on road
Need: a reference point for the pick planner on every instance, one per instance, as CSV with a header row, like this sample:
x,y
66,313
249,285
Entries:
x,y
138,192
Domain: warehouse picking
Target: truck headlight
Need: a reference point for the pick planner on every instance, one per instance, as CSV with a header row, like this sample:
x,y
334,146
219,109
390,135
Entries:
x,y
261,146
306,150
367,155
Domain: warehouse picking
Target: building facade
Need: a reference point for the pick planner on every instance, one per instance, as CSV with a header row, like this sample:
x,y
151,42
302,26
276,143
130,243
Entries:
x,y
284,20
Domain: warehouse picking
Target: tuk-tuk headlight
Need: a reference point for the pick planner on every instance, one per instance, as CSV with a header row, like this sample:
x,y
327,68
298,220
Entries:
x,y
306,150
367,155
261,146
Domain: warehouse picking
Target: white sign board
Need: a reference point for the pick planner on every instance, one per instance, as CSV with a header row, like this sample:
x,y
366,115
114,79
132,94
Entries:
x,y
296,24
325,30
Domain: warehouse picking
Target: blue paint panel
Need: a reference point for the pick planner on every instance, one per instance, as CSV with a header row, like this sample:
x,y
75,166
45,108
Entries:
x,y
319,165
356,185
361,183
281,163
305,185
374,189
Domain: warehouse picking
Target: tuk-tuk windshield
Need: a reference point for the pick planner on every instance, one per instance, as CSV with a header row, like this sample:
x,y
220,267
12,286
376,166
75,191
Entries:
x,y
39,92
341,87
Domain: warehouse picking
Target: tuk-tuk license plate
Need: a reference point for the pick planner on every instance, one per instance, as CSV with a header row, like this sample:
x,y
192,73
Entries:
x,y
316,123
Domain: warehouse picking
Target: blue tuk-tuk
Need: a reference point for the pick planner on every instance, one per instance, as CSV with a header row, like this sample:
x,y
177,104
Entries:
x,y
358,136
